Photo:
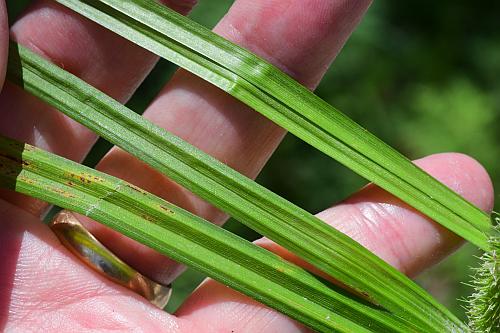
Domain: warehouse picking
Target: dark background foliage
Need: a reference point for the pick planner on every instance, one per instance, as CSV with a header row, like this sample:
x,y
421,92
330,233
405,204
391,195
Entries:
x,y
422,75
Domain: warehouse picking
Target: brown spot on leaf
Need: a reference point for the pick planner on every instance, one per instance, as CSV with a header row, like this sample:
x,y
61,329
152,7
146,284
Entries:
x,y
147,217
137,189
166,209
62,192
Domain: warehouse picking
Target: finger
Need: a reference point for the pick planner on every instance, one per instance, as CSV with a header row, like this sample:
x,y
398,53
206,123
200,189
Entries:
x,y
380,222
43,287
301,37
400,235
98,56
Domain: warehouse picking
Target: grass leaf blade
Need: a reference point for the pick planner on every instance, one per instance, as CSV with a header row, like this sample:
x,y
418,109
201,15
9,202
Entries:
x,y
288,225
284,101
189,239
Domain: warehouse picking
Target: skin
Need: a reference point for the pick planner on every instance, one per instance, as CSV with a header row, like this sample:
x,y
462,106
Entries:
x,y
44,287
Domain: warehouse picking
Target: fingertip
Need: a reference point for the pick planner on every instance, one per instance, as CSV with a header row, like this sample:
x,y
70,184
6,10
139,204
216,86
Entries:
x,y
463,174
300,37
399,234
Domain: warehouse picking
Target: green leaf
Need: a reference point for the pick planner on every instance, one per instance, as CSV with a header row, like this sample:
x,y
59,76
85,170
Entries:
x,y
189,239
283,100
279,220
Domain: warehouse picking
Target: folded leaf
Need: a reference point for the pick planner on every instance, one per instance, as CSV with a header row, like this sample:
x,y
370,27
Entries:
x,y
189,239
288,225
283,100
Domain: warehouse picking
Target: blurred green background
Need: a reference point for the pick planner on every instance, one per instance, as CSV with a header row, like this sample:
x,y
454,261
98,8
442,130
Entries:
x,y
422,75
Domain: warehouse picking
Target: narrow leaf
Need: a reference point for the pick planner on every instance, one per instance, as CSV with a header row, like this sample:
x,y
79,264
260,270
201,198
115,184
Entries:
x,y
276,218
189,239
283,100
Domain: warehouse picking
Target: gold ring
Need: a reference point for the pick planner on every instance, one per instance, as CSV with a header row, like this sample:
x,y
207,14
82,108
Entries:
x,y
85,246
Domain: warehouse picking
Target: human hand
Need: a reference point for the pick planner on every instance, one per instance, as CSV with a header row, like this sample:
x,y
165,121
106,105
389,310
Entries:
x,y
45,287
